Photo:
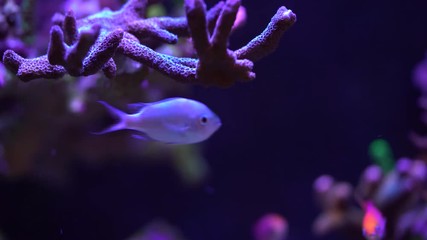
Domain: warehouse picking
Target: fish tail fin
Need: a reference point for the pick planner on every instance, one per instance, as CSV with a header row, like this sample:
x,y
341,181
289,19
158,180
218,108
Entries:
x,y
116,113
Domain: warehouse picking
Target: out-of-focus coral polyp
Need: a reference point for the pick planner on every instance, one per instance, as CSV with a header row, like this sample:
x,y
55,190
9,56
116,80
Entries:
x,y
381,154
395,194
271,226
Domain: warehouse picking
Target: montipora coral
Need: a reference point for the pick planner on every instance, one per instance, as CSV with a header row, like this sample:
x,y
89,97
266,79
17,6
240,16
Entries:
x,y
82,47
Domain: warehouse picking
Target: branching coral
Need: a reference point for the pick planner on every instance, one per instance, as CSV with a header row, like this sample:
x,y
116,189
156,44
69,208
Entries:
x,y
85,46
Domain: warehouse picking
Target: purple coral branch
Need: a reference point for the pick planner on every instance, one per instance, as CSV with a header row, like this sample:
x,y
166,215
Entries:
x,y
143,30
70,27
57,49
102,52
33,68
196,16
225,23
110,68
217,65
172,66
268,40
167,29
85,46
76,53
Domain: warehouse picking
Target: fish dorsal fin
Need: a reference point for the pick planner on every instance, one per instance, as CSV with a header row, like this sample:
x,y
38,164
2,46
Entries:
x,y
137,107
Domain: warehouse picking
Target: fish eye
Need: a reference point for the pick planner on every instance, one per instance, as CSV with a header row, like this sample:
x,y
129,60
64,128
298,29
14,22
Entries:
x,y
203,120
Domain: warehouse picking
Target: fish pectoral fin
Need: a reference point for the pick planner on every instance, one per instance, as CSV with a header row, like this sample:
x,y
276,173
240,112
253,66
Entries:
x,y
179,127
182,130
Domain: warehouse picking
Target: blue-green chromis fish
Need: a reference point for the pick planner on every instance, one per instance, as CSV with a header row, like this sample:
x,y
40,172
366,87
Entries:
x,y
172,120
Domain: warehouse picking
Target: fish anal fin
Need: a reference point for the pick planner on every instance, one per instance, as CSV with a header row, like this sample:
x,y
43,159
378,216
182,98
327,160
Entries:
x,y
142,137
138,135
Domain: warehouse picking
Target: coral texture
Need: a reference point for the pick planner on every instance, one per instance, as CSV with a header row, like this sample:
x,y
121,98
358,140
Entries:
x,y
85,46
